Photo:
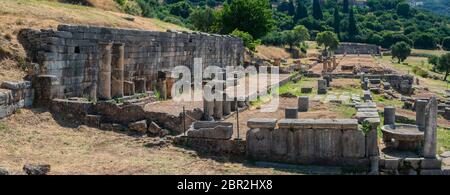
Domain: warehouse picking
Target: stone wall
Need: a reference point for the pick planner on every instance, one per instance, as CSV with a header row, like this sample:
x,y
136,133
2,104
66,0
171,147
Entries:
x,y
14,96
72,53
308,141
357,48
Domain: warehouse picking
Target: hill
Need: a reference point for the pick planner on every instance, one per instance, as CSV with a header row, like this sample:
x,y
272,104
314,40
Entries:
x,y
441,7
18,14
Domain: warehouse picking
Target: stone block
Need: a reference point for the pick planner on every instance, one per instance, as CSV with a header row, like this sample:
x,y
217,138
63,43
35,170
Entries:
x,y
392,164
211,130
291,113
353,143
431,163
139,126
267,123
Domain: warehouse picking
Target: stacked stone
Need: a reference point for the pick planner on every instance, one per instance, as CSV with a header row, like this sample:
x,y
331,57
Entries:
x,y
72,53
117,75
14,96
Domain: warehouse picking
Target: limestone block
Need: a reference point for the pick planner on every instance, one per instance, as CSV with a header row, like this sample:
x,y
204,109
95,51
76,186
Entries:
x,y
258,143
211,130
128,88
139,126
353,144
267,123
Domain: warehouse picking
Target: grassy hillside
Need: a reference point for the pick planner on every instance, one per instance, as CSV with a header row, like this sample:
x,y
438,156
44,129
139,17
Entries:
x,y
18,14
441,7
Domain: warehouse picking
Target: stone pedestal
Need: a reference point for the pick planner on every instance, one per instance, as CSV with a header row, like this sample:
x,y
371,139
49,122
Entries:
x,y
169,82
389,115
420,114
291,113
303,103
321,87
117,75
325,66
104,77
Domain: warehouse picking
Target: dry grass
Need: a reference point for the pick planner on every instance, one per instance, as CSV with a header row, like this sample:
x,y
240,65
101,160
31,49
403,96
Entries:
x,y
272,52
38,14
33,136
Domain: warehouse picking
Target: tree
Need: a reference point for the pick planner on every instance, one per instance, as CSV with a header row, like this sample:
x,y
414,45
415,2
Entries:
x,y
433,60
444,64
352,28
301,11
249,42
182,9
337,21
446,44
328,39
295,36
401,51
291,8
345,6
204,19
403,9
252,16
424,41
317,10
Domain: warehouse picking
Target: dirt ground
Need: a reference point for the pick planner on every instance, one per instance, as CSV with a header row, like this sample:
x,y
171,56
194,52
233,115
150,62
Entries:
x,y
34,136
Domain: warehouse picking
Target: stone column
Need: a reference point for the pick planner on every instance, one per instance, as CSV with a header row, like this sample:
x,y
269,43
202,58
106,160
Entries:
x,y
128,88
218,107
389,115
324,66
162,88
291,113
226,104
334,62
117,75
303,103
431,114
104,77
321,87
208,109
420,114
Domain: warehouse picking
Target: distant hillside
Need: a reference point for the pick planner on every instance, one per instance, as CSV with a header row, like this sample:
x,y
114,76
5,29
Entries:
x,y
436,6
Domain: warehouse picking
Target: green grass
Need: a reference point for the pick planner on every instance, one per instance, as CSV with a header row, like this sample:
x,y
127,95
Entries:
x,y
443,140
294,87
347,111
394,102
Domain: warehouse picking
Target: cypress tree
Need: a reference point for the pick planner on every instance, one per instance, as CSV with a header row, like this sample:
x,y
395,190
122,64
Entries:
x,y
291,9
352,29
317,10
337,21
345,6
301,11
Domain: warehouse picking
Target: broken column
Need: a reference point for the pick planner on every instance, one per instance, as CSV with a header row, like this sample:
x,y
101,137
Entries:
x,y
325,65
128,88
208,109
303,103
429,148
420,114
117,75
140,85
334,62
104,77
218,106
291,113
321,86
389,115
226,104
162,88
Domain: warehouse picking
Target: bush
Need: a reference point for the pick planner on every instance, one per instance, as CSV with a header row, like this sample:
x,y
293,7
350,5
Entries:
x,y
249,42
424,41
446,44
419,71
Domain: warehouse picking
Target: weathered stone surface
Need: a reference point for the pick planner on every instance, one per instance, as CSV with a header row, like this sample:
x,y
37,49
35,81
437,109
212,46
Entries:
x,y
431,172
32,169
321,87
128,88
3,171
104,81
303,104
389,115
139,126
117,75
420,113
154,128
431,163
211,130
256,123
353,143
430,127
392,164
291,113
258,143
